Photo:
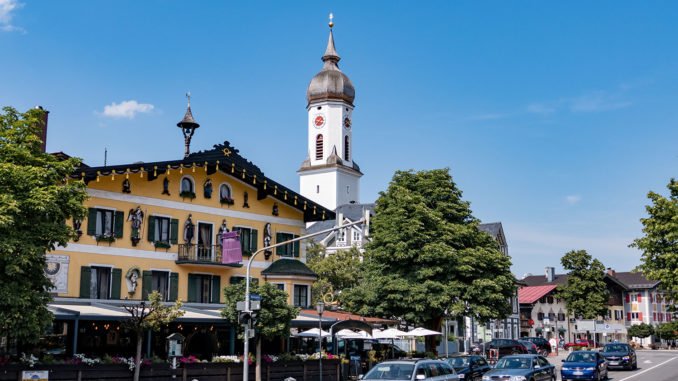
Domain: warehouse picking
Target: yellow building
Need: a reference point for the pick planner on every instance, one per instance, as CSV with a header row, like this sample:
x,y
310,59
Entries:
x,y
157,226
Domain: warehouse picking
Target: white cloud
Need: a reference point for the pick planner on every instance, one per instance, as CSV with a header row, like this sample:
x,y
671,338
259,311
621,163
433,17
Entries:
x,y
572,199
597,101
127,109
540,108
6,15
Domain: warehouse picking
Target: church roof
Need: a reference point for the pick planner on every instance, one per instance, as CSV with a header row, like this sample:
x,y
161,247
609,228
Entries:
x,y
227,160
330,82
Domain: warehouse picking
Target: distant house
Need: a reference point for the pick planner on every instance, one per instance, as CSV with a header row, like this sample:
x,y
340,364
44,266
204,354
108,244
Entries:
x,y
346,238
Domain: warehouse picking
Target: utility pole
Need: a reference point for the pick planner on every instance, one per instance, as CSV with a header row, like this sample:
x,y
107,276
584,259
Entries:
x,y
365,220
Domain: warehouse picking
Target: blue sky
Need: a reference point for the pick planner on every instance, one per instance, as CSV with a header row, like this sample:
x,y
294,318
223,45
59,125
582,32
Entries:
x,y
555,118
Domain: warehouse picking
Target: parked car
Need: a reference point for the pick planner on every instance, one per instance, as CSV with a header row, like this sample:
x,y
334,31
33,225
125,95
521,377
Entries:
x,y
543,345
584,365
504,347
529,347
410,370
620,355
522,367
469,367
581,343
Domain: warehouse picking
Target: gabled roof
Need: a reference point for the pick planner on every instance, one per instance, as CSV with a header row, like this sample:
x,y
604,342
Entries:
x,y
529,295
493,228
540,280
289,267
225,159
635,280
351,212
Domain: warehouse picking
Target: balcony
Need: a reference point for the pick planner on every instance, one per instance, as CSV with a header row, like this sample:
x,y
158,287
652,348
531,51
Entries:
x,y
210,255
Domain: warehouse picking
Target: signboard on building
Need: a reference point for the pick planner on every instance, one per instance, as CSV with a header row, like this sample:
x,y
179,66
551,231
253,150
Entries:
x,y
35,375
57,271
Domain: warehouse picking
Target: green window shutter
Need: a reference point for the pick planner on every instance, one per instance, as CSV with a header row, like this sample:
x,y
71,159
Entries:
x,y
115,284
151,228
174,287
118,221
174,231
280,250
85,281
192,289
235,279
296,246
216,288
92,221
255,240
146,285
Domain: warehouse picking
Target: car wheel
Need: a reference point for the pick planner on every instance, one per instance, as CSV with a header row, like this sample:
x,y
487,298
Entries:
x,y
635,365
597,376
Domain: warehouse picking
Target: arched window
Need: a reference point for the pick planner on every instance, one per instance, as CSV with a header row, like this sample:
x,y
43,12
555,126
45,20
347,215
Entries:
x,y
186,184
225,193
319,147
346,151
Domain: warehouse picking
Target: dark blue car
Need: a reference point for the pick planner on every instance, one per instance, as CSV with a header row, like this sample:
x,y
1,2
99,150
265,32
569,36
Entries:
x,y
523,368
584,365
469,367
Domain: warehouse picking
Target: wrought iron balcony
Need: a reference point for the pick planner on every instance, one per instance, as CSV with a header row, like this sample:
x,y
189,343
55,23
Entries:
x,y
201,255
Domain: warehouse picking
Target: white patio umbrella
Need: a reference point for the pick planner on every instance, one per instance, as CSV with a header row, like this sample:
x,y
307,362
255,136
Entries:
x,y
422,332
313,332
395,332
379,334
348,334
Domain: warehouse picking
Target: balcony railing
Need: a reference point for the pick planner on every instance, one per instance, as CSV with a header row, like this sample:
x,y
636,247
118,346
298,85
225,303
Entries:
x,y
201,254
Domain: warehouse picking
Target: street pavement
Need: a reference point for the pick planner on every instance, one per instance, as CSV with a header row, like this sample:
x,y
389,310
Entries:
x,y
652,365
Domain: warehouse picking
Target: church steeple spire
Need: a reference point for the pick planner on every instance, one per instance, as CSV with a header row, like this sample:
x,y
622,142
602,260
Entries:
x,y
330,55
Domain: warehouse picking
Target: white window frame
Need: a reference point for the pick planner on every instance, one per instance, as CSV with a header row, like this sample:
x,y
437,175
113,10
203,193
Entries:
x,y
110,278
181,183
169,275
308,294
230,189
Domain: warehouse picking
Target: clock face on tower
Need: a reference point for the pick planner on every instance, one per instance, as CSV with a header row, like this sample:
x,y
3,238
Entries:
x,y
319,121
347,122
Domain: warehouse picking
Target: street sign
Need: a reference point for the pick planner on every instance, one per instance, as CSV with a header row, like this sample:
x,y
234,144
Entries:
x,y
255,297
240,306
250,333
255,305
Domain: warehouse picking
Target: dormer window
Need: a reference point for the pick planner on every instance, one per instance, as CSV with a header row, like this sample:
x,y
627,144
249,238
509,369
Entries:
x,y
319,147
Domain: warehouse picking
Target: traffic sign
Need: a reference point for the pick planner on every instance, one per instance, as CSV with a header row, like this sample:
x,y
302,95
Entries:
x,y
255,297
255,305
240,306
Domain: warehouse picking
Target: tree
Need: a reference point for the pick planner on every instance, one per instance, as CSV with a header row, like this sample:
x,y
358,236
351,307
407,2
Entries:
x,y
427,255
36,200
149,317
273,320
667,331
336,272
660,243
641,330
585,293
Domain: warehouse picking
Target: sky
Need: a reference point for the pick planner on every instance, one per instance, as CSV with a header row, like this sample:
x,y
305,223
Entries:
x,y
555,118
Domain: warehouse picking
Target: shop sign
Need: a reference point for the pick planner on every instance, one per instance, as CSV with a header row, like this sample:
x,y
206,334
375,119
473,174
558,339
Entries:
x,y
35,375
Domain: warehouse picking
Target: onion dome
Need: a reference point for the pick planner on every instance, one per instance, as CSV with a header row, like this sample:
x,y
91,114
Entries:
x,y
330,83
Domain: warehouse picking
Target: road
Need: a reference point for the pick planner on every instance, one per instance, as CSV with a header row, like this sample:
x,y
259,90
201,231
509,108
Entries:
x,y
652,365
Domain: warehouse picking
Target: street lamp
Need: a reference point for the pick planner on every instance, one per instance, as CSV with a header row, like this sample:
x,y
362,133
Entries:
x,y
320,308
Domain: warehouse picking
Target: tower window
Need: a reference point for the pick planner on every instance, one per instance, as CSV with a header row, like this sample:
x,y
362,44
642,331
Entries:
x,y
319,107
317,189
319,147
346,151
348,189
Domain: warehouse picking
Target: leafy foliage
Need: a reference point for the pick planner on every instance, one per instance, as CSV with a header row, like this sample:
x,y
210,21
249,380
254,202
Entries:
x,y
585,293
667,331
35,202
641,330
149,317
427,255
275,314
660,243
336,272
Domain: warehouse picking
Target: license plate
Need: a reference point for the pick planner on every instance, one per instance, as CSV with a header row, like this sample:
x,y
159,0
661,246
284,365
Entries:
x,y
614,362
578,373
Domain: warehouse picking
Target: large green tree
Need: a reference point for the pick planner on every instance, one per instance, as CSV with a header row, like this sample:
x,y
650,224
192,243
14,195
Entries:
x,y
585,293
336,272
667,331
641,330
36,200
273,319
428,255
660,242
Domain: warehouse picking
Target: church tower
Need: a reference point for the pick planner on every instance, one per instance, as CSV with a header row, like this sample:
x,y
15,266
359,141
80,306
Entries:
x,y
329,175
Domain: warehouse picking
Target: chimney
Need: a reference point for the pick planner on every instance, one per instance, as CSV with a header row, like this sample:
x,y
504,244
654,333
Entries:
x,y
43,134
610,272
550,274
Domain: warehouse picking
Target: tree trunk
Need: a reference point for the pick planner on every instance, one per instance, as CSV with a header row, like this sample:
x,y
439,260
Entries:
x,y
258,360
137,359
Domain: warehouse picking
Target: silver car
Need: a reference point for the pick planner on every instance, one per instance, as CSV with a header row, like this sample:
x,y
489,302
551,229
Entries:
x,y
410,370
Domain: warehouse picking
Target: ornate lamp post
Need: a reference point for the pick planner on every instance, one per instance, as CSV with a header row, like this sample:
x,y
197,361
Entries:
x,y
188,126
320,308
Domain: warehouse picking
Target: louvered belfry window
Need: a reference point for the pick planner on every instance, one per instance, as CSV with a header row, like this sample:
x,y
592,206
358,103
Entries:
x,y
346,151
319,147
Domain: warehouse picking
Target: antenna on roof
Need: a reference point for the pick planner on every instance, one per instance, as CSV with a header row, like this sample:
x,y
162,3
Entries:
x,y
105,155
